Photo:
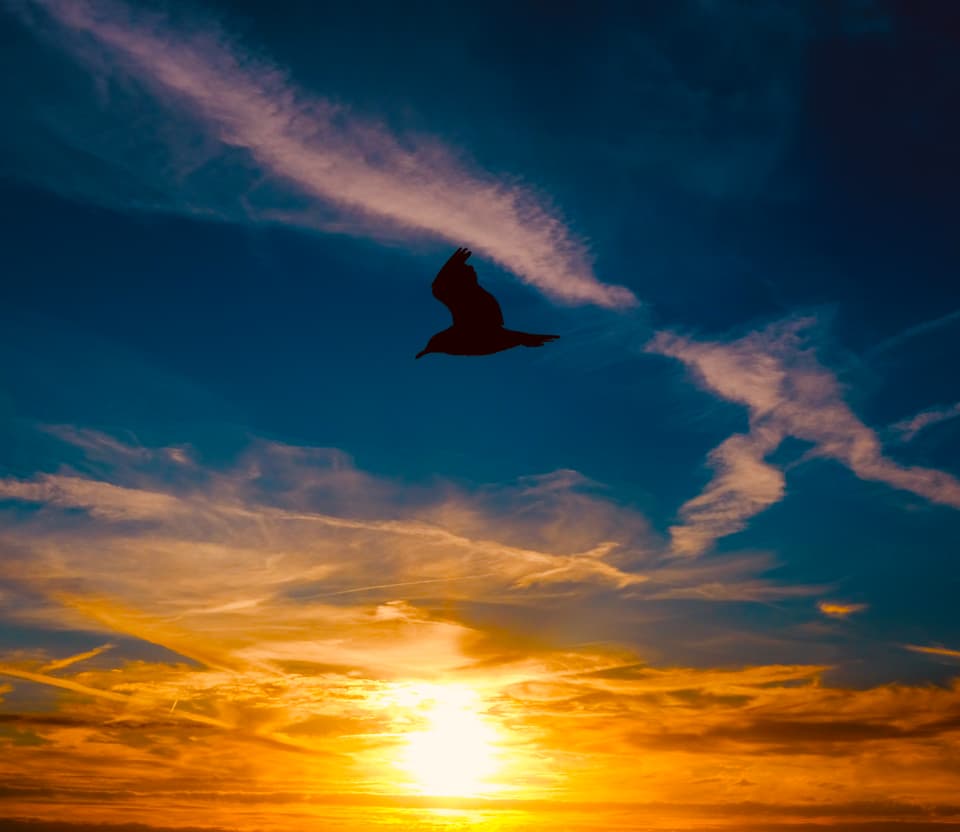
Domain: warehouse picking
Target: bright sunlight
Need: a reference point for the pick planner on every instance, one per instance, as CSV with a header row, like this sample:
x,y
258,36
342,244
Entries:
x,y
455,753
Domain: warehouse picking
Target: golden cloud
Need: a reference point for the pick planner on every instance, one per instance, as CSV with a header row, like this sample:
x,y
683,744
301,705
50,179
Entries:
x,y
837,609
279,627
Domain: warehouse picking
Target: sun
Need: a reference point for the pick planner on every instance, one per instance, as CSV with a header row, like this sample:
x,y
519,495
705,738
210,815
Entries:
x,y
456,751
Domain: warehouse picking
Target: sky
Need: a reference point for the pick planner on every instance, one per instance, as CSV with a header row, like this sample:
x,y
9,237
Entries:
x,y
691,565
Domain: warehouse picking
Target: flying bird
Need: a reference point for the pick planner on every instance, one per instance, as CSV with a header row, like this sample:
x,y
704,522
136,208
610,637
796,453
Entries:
x,y
477,320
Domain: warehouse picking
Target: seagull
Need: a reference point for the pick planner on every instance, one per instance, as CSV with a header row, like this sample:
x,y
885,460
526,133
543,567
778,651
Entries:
x,y
477,320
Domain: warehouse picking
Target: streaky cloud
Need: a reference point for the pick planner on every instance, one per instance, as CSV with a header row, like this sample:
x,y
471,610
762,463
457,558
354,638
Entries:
x,y
59,664
145,708
102,499
788,393
895,341
286,682
365,177
907,429
934,650
306,533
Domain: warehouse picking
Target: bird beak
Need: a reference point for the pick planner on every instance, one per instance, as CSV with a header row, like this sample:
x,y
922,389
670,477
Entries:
x,y
420,354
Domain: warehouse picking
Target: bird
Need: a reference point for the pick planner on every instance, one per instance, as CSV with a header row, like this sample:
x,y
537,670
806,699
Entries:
x,y
477,320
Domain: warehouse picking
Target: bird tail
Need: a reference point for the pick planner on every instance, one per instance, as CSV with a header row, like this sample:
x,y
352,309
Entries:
x,y
528,339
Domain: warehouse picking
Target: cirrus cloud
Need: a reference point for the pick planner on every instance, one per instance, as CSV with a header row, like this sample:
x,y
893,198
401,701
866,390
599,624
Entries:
x,y
355,173
776,375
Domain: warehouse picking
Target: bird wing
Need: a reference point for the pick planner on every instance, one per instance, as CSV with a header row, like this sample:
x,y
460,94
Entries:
x,y
456,286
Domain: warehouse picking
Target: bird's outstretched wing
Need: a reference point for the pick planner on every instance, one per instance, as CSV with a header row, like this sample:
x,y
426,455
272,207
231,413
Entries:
x,y
456,286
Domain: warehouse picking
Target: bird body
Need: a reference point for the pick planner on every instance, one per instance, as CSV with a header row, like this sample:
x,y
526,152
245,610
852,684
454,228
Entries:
x,y
477,319
460,341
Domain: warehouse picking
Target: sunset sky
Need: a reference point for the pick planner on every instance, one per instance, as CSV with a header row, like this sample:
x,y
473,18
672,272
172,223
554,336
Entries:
x,y
693,565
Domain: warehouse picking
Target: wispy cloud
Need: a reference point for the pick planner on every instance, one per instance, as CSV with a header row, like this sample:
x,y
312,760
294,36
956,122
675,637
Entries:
x,y
324,530
924,328
744,485
776,375
101,498
367,178
909,428
59,664
934,650
301,604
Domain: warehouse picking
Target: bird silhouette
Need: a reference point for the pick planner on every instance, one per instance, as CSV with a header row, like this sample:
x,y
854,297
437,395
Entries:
x,y
477,320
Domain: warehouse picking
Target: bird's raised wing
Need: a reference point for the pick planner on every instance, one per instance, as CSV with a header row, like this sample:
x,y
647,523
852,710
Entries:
x,y
456,286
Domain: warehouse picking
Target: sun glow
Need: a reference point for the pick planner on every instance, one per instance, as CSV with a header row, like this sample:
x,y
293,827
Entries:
x,y
456,751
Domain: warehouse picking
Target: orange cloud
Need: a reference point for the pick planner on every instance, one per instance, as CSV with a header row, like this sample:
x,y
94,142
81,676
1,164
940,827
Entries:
x,y
836,609
59,664
934,651
271,619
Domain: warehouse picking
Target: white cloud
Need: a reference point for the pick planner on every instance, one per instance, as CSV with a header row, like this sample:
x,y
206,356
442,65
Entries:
x,y
744,485
365,177
788,393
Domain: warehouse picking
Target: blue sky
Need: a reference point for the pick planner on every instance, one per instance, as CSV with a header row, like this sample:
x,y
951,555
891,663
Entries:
x,y
220,224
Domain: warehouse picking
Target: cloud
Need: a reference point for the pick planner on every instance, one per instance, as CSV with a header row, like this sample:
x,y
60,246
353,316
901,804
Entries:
x,y
788,393
304,525
281,619
909,428
934,651
292,555
59,664
744,485
912,332
675,729
100,498
304,528
360,571
354,173
838,609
